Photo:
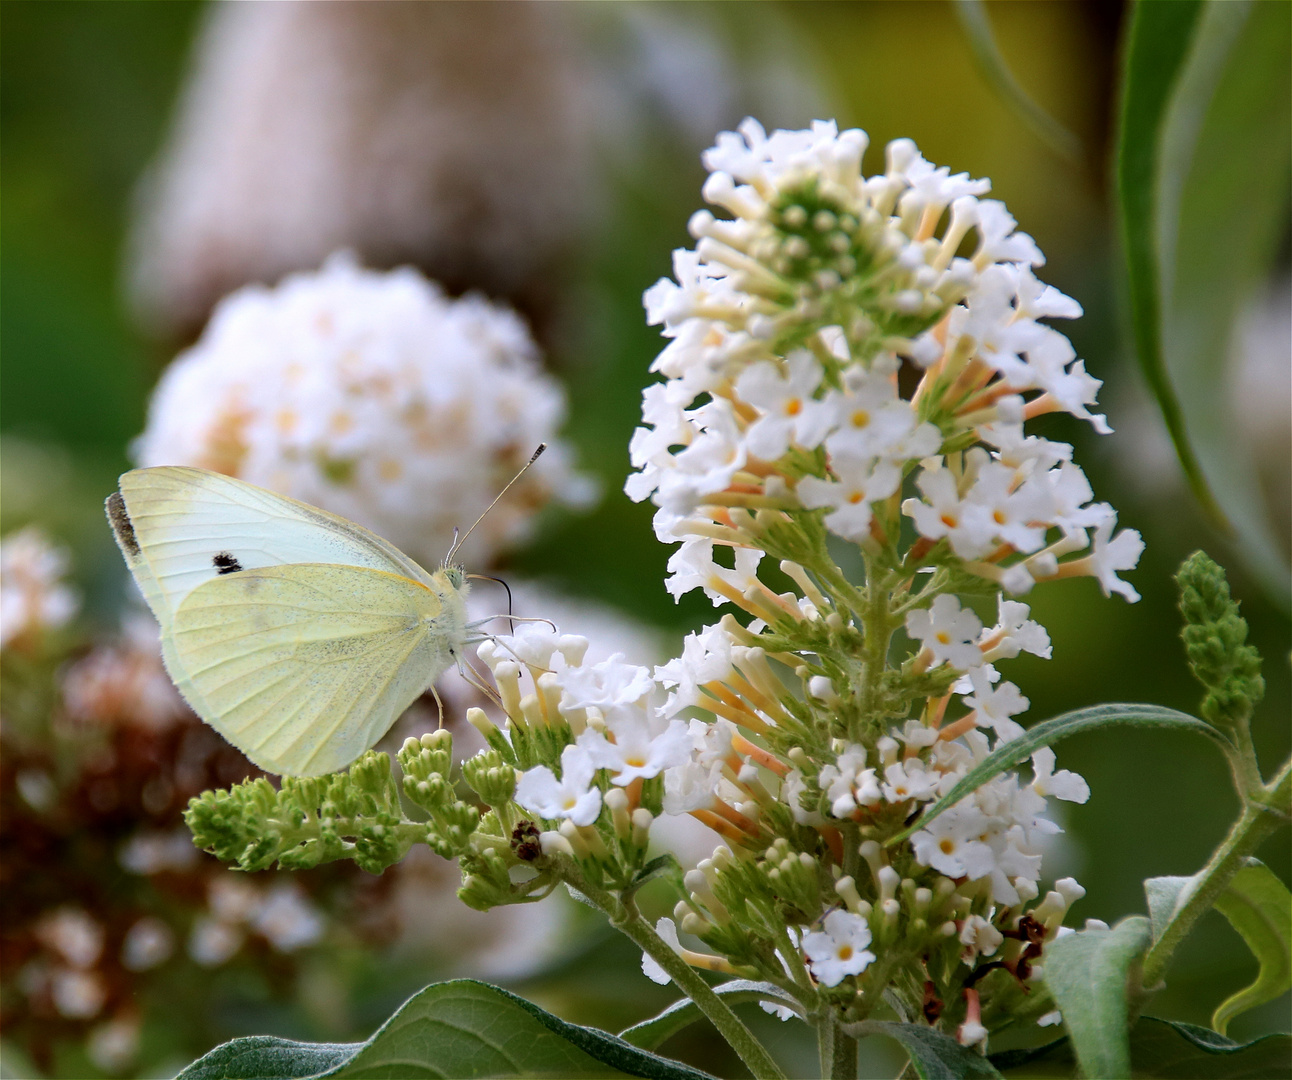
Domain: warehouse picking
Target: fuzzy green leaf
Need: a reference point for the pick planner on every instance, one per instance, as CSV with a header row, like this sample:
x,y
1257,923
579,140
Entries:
x,y
1087,973
1259,906
934,1054
1051,731
654,1032
461,1028
1165,896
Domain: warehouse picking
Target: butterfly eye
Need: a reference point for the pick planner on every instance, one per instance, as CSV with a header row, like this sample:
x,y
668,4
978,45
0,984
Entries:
x,y
225,563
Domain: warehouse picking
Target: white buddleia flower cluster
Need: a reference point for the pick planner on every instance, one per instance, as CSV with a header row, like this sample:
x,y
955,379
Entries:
x,y
374,396
858,356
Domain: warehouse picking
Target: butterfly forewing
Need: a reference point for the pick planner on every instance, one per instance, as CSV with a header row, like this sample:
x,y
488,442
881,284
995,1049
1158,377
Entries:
x,y
180,527
303,667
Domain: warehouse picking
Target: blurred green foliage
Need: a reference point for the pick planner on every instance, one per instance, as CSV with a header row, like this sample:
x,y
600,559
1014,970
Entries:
x,y
85,91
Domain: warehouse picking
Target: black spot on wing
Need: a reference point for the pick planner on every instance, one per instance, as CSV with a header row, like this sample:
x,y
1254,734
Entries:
x,y
119,517
225,563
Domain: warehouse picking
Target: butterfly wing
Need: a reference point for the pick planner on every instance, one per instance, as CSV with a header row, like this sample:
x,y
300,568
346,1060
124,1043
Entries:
x,y
305,666
180,527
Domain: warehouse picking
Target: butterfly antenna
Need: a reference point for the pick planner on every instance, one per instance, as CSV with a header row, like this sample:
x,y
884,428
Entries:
x,y
486,577
459,541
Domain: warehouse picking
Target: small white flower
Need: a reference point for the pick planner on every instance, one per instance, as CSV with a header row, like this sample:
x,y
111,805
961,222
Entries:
x,y
790,413
639,749
909,780
690,786
1005,512
1114,553
839,949
536,645
706,658
611,683
1063,784
995,705
1014,632
860,483
947,630
868,418
951,845
692,566
667,930
944,515
980,937
573,796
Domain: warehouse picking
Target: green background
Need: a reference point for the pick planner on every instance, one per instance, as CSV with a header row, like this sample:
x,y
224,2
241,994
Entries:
x,y
86,90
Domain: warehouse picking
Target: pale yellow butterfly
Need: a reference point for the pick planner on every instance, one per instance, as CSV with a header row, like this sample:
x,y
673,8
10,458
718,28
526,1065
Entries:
x,y
298,635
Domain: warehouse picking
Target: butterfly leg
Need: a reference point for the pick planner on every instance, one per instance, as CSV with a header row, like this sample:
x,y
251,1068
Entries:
x,y
438,702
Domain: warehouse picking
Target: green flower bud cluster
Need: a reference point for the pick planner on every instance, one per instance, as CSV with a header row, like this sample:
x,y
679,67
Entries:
x,y
308,821
427,763
1215,637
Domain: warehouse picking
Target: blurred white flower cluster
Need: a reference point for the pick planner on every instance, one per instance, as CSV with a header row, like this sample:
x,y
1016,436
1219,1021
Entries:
x,y
33,596
374,396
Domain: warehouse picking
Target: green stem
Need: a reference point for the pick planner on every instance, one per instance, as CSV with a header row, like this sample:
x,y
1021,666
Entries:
x,y
877,626
627,920
1264,812
837,1049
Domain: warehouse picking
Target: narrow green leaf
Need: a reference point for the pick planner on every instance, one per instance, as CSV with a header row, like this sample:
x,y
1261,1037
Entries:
x,y
976,24
934,1054
1173,1050
1165,1050
1226,164
652,1033
1157,45
1087,972
461,1028
1204,160
1048,732
1259,906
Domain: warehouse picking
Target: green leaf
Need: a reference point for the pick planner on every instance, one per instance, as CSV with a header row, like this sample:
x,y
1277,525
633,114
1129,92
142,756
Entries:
x,y
976,24
1048,732
461,1028
1165,897
1204,160
266,1057
1087,973
1165,1050
654,1032
1157,45
934,1054
1259,906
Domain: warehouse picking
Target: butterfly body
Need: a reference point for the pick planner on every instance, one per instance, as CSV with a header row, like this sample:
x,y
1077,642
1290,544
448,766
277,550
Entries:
x,y
299,636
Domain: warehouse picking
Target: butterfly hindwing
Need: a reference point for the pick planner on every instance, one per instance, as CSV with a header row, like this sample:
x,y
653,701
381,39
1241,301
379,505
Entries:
x,y
305,666
180,527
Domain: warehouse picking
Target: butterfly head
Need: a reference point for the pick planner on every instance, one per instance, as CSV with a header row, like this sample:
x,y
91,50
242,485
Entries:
x,y
455,575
